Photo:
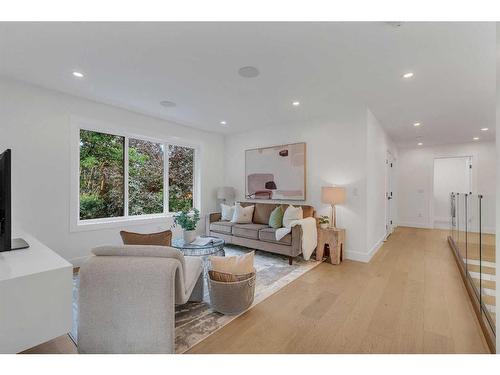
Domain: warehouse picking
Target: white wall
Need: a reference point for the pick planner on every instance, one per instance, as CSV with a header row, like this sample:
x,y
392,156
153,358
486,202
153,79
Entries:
x,y
416,174
35,123
377,146
336,155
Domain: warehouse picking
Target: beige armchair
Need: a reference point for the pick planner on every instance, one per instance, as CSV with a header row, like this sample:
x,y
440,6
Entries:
x,y
128,296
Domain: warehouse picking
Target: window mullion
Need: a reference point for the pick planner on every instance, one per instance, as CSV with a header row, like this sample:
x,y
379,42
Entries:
x,y
125,177
166,208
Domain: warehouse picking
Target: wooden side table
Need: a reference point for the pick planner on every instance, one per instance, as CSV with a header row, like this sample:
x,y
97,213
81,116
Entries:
x,y
331,240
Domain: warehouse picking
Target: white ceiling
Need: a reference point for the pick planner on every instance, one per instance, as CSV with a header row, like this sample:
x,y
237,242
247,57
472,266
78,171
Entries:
x,y
137,65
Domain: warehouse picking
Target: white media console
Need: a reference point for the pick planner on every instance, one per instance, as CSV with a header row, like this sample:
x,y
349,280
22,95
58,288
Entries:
x,y
35,296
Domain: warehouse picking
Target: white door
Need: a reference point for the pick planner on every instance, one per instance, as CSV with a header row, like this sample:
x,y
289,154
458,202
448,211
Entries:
x,y
389,195
450,175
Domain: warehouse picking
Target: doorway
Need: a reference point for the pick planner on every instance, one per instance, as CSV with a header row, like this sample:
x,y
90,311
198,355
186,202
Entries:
x,y
451,174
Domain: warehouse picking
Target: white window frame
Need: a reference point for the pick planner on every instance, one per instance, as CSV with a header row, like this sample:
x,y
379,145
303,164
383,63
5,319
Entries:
x,y
76,224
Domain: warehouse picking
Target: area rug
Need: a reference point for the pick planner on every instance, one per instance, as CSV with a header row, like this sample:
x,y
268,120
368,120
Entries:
x,y
195,321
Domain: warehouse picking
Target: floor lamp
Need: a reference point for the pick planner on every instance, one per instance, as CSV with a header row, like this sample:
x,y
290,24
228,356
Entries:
x,y
333,195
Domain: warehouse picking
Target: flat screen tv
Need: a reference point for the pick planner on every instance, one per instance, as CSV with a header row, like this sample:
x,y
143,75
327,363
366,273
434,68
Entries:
x,y
6,241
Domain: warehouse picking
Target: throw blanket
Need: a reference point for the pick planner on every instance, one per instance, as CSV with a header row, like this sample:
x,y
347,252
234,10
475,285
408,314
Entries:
x,y
309,234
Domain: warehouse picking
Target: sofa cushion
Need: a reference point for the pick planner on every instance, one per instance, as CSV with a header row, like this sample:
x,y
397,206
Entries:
x,y
269,235
227,212
291,214
308,211
262,212
248,230
276,218
242,215
223,227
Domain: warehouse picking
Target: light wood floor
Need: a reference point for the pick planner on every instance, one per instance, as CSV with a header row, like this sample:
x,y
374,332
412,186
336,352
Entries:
x,y
408,299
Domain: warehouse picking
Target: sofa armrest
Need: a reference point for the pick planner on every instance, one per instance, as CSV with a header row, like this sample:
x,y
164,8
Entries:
x,y
212,217
296,240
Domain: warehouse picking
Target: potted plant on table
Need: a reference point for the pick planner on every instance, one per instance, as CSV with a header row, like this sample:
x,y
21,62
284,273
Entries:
x,y
188,219
324,221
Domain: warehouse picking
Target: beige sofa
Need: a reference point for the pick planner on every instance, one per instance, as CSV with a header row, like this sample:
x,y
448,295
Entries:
x,y
259,235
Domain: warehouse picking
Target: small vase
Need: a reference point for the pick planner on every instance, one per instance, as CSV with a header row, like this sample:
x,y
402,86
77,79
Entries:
x,y
189,236
324,226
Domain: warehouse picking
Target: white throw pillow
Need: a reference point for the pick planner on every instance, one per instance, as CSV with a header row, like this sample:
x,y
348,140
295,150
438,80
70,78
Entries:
x,y
242,215
292,213
227,212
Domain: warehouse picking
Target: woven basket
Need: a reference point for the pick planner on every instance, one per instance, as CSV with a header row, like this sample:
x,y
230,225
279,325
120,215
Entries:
x,y
231,298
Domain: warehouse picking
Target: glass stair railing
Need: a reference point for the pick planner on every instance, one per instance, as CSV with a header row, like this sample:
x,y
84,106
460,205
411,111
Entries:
x,y
473,244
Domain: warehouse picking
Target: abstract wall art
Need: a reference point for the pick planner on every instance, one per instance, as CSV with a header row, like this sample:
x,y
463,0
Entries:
x,y
277,172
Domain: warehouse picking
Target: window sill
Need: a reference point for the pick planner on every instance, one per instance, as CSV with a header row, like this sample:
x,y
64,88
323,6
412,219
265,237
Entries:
x,y
118,222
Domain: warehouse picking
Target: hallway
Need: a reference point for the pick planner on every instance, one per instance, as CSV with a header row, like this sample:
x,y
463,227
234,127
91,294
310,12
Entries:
x,y
409,299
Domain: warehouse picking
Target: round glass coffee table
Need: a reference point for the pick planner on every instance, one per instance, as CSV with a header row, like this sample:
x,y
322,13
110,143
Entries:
x,y
215,247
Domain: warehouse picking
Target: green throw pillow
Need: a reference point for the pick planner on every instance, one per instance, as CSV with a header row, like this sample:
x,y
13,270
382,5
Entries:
x,y
276,218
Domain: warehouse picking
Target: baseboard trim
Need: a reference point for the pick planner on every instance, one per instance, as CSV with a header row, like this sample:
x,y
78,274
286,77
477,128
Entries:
x,y
415,225
440,225
357,256
364,257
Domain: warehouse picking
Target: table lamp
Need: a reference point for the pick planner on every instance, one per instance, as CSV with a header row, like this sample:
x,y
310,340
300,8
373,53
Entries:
x,y
225,193
333,195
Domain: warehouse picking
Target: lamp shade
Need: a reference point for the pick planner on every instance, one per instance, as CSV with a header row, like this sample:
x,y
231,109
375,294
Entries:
x,y
333,194
225,192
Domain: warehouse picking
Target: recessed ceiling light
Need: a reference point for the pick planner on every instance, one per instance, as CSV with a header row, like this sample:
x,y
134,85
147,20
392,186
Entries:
x,y
296,103
408,75
248,71
420,144
78,74
223,123
395,23
484,129
167,103
417,124
476,138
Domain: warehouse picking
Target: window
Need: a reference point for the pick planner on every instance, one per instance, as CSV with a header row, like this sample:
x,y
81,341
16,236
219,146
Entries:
x,y
145,177
121,176
180,178
101,175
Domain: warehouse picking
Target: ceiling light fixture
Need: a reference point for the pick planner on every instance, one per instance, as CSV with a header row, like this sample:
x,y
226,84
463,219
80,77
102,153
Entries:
x,y
296,103
417,124
168,104
223,123
420,144
78,74
248,71
475,138
484,129
408,75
